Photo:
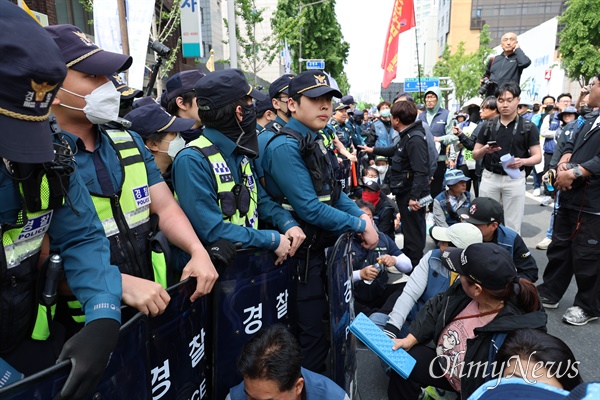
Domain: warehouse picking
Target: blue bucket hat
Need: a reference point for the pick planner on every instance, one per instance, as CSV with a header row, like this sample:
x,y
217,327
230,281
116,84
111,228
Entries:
x,y
453,176
31,72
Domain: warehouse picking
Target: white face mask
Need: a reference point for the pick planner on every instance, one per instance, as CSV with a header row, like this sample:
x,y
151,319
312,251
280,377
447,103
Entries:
x,y
382,169
366,180
385,113
175,146
101,106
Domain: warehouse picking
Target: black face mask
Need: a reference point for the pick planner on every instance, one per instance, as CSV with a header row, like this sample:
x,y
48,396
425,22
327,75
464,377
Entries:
x,y
536,108
247,142
474,115
549,109
584,110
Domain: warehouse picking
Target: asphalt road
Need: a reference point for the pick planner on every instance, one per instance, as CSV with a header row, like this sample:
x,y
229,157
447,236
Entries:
x,y
583,340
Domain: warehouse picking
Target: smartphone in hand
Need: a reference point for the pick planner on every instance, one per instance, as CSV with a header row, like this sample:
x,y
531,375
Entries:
x,y
492,144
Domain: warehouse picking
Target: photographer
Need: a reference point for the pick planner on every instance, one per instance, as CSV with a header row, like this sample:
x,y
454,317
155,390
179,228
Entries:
x,y
505,67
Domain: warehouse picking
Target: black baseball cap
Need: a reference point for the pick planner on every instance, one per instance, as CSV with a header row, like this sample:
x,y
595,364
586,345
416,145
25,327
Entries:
x,y
280,85
374,186
31,72
264,105
348,100
142,101
152,118
488,264
312,83
340,106
483,210
81,54
220,88
127,93
180,83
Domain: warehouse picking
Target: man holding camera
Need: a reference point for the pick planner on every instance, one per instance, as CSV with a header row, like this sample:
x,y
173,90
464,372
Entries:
x,y
505,67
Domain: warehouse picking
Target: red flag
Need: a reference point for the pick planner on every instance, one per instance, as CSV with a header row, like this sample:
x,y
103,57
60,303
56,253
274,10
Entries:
x,y
403,18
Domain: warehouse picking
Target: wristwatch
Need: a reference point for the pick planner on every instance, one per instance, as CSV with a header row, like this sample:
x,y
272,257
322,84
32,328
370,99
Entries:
x,y
577,171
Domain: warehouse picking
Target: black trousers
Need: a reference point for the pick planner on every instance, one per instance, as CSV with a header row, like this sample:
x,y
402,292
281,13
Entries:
x,y
438,179
576,254
427,372
470,173
413,229
312,309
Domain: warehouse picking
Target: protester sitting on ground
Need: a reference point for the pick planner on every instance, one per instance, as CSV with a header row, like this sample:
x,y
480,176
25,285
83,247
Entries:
x,y
447,203
383,214
526,350
271,366
487,214
382,166
429,278
371,288
464,322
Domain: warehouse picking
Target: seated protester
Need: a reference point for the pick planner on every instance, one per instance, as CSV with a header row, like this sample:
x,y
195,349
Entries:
x,y
161,134
371,288
383,169
429,278
525,348
464,322
271,366
179,100
487,214
383,213
447,203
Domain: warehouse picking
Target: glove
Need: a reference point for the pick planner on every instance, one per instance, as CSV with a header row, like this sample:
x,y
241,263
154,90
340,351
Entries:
x,y
89,351
222,252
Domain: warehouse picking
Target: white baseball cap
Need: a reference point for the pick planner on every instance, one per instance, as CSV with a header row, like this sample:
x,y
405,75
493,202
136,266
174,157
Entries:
x,y
460,234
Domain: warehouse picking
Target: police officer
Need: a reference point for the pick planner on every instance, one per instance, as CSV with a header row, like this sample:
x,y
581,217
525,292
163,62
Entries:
x,y
179,100
121,175
31,71
214,177
265,113
315,198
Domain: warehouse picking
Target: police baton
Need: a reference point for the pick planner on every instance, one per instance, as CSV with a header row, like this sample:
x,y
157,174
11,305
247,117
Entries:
x,y
54,273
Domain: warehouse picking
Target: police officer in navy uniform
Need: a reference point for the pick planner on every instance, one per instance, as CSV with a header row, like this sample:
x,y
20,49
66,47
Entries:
x,y
122,177
315,198
179,99
214,175
31,71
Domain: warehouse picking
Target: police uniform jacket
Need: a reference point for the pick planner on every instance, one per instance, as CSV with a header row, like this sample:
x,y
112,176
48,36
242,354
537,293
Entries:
x,y
286,175
263,138
410,162
585,150
444,307
196,189
82,245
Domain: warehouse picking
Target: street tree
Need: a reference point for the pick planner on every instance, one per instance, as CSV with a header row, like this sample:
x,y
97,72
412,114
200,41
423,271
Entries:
x,y
255,55
313,32
465,69
579,44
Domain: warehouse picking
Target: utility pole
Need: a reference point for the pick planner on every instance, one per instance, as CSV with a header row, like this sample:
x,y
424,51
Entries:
x,y
232,37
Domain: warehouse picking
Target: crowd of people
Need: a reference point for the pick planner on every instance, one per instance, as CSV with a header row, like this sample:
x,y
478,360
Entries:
x,y
136,194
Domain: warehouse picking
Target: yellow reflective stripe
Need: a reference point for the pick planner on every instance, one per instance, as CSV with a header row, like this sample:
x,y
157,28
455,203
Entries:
x,y
220,168
110,227
159,265
41,329
325,198
21,243
76,311
45,188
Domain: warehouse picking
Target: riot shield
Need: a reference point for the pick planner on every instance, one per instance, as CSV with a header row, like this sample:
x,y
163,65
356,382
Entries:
x,y
341,312
126,376
177,346
251,294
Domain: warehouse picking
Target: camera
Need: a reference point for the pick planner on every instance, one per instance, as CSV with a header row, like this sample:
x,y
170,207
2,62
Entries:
x,y
484,87
160,48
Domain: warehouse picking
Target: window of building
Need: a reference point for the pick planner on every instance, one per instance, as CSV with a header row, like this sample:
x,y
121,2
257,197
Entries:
x,y
72,12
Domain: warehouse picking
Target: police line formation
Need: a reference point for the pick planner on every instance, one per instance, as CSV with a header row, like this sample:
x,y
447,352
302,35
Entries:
x,y
120,215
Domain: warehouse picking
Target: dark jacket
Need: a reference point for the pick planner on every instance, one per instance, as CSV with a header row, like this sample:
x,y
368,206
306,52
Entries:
x,y
410,162
503,69
585,151
385,215
443,308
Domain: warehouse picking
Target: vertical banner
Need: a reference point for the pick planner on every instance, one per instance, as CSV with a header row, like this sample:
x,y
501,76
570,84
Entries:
x,y
403,18
106,26
139,21
287,59
191,35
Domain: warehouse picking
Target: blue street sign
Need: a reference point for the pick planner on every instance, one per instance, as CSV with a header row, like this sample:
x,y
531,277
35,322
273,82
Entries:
x,y
315,64
412,85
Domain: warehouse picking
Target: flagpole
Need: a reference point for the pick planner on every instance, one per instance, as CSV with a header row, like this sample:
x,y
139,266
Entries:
x,y
418,62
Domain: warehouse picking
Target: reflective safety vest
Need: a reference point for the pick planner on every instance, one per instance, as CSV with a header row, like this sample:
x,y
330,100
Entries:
x,y
226,185
21,244
125,218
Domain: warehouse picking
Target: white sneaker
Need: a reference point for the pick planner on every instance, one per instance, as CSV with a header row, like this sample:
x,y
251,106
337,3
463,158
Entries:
x,y
546,201
543,245
536,192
